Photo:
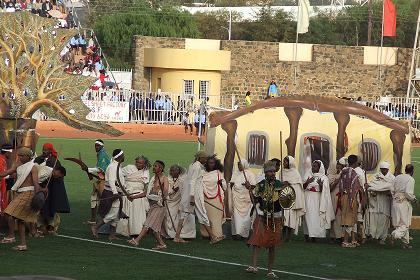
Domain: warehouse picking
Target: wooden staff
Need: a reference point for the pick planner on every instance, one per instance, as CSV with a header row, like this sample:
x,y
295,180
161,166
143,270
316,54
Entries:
x,y
165,202
281,156
363,187
246,179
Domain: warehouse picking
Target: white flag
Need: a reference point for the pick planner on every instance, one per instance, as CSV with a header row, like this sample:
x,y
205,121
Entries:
x,y
303,16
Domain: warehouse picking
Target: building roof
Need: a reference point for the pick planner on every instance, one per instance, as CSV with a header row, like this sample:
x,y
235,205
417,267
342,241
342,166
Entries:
x,y
314,103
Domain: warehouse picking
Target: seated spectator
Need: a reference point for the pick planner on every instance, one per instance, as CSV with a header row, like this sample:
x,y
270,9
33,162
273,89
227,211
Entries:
x,y
91,43
10,8
99,66
102,77
74,43
46,7
37,7
82,44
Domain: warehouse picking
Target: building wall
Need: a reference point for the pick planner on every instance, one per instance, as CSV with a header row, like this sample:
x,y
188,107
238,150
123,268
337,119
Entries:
x,y
172,81
333,71
141,74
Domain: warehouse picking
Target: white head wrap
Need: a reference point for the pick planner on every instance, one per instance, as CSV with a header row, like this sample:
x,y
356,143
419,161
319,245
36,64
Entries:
x,y
384,165
343,161
292,162
99,143
118,155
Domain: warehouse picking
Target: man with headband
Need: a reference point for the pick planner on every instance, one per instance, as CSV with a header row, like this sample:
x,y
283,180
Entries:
x,y
102,163
109,208
5,152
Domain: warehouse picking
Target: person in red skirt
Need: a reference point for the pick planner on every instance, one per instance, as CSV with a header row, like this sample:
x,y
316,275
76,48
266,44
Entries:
x,y
267,227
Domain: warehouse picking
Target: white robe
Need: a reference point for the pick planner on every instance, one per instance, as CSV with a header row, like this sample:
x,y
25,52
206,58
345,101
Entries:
x,y
135,181
214,194
194,183
177,201
293,217
402,194
241,203
319,210
377,222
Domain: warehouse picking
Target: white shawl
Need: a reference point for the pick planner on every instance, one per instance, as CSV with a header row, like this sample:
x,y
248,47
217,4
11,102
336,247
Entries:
x,y
292,176
381,183
326,210
22,172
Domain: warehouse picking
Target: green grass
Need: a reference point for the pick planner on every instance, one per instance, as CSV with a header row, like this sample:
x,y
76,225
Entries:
x,y
83,260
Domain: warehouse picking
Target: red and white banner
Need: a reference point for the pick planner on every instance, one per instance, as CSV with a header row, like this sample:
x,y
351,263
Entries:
x,y
108,111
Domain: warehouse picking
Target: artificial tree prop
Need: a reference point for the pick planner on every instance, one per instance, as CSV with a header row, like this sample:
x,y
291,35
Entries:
x,y
32,78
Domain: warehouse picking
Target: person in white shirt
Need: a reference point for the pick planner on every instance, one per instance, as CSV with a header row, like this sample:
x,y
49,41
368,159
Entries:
x,y
293,217
241,200
379,211
194,183
109,208
402,211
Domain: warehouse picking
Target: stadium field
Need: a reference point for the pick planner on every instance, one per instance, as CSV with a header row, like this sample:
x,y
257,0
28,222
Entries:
x,y
75,254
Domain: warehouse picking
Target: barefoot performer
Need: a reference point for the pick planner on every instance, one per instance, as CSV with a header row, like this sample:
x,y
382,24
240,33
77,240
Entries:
x,y
103,160
157,194
194,183
20,209
267,227
109,207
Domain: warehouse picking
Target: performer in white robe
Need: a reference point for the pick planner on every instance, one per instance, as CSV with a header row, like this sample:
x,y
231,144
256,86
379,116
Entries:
x,y
241,200
178,200
336,231
214,187
194,183
136,179
319,210
377,222
403,195
293,216
359,228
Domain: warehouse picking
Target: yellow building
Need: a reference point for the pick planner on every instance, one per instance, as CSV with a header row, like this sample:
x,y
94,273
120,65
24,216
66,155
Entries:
x,y
313,128
194,71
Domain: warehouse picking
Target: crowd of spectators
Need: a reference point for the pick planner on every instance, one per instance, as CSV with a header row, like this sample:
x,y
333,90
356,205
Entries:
x,y
43,8
152,108
81,54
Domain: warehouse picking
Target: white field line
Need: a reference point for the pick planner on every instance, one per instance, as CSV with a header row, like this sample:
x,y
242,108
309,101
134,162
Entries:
x,y
188,257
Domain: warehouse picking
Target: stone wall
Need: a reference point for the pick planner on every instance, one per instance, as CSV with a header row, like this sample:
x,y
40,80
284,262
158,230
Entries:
x,y
140,73
334,70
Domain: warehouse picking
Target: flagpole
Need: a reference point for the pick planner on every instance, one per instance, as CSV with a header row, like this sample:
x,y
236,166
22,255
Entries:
x,y
296,43
382,44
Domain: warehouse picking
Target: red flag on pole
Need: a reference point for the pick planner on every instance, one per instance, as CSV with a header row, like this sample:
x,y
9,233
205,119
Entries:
x,y
390,19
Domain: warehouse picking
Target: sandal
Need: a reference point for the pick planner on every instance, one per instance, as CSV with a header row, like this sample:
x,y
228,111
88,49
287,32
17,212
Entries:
x,y
347,245
251,269
133,242
272,275
160,247
8,240
356,244
20,248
